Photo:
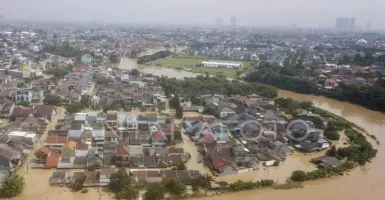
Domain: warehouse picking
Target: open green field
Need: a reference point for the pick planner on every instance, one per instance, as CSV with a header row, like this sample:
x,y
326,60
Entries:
x,y
181,62
188,62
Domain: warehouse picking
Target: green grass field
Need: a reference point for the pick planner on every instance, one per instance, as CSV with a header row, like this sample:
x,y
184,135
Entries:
x,y
183,62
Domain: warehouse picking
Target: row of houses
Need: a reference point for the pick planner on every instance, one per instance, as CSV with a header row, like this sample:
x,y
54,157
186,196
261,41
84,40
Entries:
x,y
138,177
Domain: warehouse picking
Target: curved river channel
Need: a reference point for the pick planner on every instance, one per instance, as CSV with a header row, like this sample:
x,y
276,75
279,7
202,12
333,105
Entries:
x,y
366,182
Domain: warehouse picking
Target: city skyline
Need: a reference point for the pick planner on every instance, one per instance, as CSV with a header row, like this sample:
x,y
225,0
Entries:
x,y
304,13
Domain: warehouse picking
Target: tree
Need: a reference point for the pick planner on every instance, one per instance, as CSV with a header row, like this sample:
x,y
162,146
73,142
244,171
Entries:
x,y
74,107
155,191
13,185
182,166
175,187
195,101
299,176
119,180
24,103
331,131
78,184
114,58
179,113
52,100
128,192
153,109
143,109
70,88
127,108
205,181
85,101
20,85
174,102
135,72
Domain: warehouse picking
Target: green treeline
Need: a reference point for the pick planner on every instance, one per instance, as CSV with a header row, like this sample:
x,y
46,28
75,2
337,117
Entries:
x,y
372,97
156,56
215,85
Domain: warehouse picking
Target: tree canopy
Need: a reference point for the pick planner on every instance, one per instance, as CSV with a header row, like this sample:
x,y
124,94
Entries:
x,y
12,186
175,187
155,191
119,180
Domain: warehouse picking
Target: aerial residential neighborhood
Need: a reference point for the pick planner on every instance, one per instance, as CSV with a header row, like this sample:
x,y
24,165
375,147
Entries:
x,y
102,111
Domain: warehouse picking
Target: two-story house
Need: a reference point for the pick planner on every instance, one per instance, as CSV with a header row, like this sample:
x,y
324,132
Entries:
x,y
98,138
132,123
112,119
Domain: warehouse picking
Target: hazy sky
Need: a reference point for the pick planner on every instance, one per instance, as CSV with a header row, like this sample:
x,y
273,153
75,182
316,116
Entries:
x,y
204,12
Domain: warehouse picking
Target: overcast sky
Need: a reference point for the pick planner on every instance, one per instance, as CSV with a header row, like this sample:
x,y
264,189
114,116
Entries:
x,y
199,12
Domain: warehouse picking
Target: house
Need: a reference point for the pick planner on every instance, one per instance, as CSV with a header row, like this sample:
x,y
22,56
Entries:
x,y
24,137
169,161
80,163
52,161
55,141
112,119
76,176
224,167
20,112
326,162
23,95
224,110
110,136
158,139
65,162
92,179
43,153
98,138
94,162
81,150
58,133
59,178
132,123
122,155
105,174
75,131
7,109
7,158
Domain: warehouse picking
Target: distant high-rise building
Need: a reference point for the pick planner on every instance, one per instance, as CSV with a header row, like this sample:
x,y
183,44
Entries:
x,y
352,23
368,25
219,22
2,18
343,23
233,21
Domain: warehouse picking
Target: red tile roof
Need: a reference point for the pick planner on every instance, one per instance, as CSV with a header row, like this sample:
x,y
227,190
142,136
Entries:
x,y
81,146
44,110
52,161
22,112
44,150
6,154
122,150
70,145
56,139
110,134
158,136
